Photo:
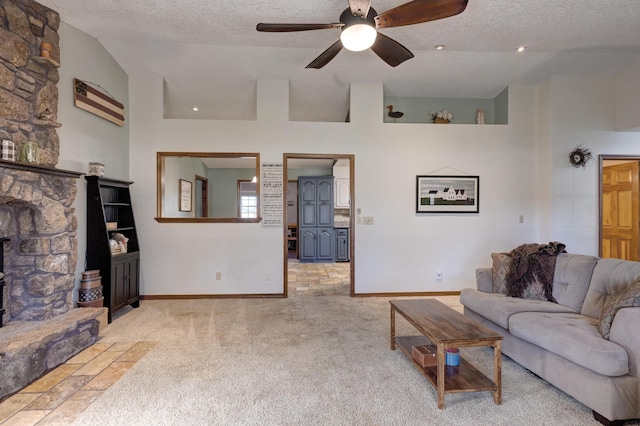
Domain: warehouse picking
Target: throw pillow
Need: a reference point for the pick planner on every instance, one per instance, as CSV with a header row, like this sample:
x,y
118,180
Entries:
x,y
501,264
630,297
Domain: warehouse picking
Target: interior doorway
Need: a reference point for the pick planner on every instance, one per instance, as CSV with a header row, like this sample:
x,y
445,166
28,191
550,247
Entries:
x,y
619,229
321,273
202,200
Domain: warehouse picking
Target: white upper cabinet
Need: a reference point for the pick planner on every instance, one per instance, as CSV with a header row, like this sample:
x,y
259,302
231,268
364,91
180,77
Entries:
x,y
341,187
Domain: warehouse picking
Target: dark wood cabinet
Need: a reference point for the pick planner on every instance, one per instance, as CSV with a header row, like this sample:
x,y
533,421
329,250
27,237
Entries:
x,y
109,211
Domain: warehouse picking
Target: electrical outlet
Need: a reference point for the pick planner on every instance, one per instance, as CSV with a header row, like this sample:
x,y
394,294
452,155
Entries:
x,y
439,274
367,220
521,219
359,221
267,276
218,276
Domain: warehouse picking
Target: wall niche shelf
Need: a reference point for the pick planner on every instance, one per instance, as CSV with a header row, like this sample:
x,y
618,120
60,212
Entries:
x,y
464,110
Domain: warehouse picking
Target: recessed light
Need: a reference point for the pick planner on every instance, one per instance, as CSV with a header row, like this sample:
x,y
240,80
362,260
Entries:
x,y
440,47
521,48
195,108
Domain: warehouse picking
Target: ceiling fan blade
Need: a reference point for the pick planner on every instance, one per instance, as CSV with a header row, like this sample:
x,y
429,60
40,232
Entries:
x,y
390,51
326,56
285,28
418,11
360,7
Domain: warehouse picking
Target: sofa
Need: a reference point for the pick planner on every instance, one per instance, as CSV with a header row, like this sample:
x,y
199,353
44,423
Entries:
x,y
587,343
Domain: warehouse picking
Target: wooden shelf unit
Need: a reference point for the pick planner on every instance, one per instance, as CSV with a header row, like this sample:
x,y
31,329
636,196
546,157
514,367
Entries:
x,y
109,200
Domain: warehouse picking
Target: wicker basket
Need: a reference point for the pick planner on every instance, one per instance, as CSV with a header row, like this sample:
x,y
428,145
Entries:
x,y
439,120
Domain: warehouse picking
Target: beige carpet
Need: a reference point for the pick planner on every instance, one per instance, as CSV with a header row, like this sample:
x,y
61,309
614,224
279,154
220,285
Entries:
x,y
299,361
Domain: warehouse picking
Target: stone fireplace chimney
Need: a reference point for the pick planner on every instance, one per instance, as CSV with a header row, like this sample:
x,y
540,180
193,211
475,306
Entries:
x,y
42,329
35,199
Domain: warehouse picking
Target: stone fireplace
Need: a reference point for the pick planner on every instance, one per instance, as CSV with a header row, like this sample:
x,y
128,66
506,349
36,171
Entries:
x,y
40,256
41,327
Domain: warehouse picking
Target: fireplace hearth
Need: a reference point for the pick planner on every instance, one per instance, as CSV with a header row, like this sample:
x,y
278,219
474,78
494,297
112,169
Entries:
x,y
41,327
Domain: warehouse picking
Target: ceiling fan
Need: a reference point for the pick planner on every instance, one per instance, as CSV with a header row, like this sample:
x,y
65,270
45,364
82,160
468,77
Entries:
x,y
359,24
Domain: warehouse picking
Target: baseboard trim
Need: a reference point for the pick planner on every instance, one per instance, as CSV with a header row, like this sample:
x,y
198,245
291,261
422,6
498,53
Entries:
x,y
410,294
282,296
210,296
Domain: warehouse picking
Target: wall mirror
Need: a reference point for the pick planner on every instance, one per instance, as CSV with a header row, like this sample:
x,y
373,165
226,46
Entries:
x,y
208,187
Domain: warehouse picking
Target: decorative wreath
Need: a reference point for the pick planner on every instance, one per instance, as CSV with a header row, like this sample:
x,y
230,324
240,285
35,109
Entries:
x,y
580,156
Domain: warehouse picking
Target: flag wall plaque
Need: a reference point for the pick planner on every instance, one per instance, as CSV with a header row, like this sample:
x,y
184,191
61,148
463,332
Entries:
x,y
94,101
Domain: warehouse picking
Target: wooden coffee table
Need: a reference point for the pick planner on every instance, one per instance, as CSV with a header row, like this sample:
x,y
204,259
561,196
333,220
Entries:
x,y
445,328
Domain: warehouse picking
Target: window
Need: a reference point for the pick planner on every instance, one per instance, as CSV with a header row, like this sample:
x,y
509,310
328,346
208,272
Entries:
x,y
248,200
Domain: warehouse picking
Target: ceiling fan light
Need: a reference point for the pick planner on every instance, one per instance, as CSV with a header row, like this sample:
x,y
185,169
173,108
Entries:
x,y
358,37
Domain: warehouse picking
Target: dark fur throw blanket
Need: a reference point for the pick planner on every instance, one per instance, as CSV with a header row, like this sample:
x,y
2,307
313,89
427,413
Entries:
x,y
531,264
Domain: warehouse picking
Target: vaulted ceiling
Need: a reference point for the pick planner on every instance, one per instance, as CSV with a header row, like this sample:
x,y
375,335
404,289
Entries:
x,y
211,55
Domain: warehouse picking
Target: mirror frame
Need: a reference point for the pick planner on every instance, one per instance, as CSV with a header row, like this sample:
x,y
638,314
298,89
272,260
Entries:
x,y
160,156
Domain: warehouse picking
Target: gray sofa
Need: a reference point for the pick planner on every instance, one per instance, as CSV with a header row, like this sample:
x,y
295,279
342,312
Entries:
x,y
562,342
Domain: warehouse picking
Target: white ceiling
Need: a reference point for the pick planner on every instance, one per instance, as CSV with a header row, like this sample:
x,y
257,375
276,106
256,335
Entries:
x,y
211,55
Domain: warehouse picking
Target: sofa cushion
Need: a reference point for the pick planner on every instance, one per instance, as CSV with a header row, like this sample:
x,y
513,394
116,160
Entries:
x,y
498,307
627,299
501,263
571,279
572,336
610,276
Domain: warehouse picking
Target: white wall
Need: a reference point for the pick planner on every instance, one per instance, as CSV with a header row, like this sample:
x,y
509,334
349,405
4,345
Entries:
x,y
85,137
400,252
523,169
582,112
177,168
627,90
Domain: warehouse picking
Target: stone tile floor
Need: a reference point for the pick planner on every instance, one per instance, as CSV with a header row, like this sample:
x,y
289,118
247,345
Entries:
x,y
58,396
319,279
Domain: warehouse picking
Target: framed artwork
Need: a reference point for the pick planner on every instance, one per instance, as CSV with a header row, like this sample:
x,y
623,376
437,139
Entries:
x,y
447,194
185,195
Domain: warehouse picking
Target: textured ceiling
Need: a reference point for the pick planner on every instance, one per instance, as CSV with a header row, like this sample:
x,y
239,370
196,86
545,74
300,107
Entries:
x,y
211,55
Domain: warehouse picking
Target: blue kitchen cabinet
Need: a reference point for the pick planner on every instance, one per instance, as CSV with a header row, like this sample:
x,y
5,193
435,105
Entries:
x,y
315,204
342,245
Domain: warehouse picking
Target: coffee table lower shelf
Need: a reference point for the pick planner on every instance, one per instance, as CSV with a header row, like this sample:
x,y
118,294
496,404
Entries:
x,y
464,378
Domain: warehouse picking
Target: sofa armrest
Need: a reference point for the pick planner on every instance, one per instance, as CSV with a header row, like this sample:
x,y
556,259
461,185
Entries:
x,y
484,279
624,332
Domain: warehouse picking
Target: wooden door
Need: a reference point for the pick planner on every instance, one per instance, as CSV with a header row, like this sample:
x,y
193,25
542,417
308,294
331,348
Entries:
x,y
202,196
620,216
